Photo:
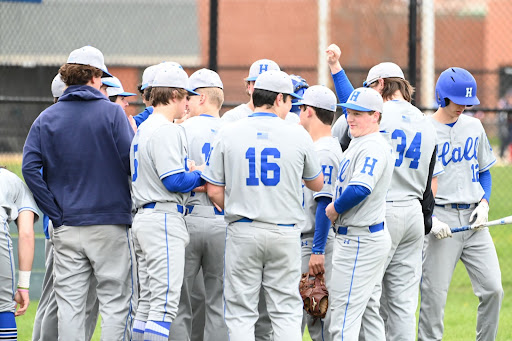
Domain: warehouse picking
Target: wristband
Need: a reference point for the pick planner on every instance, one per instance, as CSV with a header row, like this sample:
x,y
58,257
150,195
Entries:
x,y
319,253
22,290
24,279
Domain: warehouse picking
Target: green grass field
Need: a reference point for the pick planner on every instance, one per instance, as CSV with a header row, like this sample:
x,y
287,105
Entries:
x,y
461,306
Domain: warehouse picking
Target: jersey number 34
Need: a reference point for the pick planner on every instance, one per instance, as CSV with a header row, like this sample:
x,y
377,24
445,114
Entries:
x,y
266,167
413,152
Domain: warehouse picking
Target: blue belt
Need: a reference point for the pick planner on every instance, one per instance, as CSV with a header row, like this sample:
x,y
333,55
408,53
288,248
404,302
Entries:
x,y
372,229
190,208
457,206
152,205
247,220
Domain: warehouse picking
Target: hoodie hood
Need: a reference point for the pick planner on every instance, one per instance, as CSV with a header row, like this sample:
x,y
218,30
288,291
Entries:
x,y
81,93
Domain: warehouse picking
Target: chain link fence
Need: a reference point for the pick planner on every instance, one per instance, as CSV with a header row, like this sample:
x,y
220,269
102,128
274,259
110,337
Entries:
x,y
36,37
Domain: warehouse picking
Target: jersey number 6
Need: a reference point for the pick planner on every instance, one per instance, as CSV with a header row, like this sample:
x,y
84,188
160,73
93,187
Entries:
x,y
266,167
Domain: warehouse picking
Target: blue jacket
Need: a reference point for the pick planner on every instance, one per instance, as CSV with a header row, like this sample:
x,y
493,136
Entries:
x,y
83,144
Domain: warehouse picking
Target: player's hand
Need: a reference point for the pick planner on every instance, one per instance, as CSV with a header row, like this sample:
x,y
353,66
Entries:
x,y
333,53
316,264
200,189
439,229
331,213
199,168
22,301
480,215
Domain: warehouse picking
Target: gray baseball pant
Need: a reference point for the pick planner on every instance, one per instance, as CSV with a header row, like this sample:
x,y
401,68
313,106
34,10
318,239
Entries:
x,y
46,321
205,251
476,250
400,284
262,255
79,253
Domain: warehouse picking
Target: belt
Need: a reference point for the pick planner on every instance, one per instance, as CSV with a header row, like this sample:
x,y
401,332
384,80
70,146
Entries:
x,y
179,208
344,230
457,206
204,210
247,220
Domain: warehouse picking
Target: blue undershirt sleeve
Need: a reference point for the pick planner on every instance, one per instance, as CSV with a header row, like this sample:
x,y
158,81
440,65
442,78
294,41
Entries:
x,y
486,183
343,87
183,182
322,226
350,197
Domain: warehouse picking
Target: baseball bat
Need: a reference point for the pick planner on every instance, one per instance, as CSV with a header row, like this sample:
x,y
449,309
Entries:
x,y
502,221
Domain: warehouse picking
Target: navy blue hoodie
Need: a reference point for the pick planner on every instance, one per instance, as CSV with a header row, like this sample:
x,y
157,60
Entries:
x,y
83,144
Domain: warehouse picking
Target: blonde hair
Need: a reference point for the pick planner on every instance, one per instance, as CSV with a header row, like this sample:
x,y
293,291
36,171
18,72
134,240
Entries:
x,y
214,96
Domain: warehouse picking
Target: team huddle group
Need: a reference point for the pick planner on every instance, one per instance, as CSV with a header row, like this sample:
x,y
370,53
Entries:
x,y
179,224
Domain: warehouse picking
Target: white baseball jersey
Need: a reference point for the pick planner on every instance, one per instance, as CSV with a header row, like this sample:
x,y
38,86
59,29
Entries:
x,y
340,127
14,197
159,149
329,154
292,118
262,160
413,139
463,150
368,162
201,131
237,113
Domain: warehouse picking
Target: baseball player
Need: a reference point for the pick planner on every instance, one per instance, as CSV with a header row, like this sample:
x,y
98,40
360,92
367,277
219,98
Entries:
x,y
246,109
462,198
16,204
413,139
358,213
205,223
299,86
263,328
148,77
82,143
117,95
161,186
343,89
145,93
45,322
316,115
258,164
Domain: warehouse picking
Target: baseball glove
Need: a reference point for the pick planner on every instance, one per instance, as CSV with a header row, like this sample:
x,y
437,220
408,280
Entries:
x,y
314,295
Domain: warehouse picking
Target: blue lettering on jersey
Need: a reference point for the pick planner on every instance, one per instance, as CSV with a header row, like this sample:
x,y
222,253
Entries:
x,y
413,152
343,169
135,162
327,174
367,164
355,95
206,150
456,154
266,167
263,67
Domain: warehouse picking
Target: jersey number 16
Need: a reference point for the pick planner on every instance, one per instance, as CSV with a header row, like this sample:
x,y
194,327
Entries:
x,y
266,167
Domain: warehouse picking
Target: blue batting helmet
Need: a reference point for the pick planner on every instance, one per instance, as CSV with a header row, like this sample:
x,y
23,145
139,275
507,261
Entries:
x,y
458,85
299,86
